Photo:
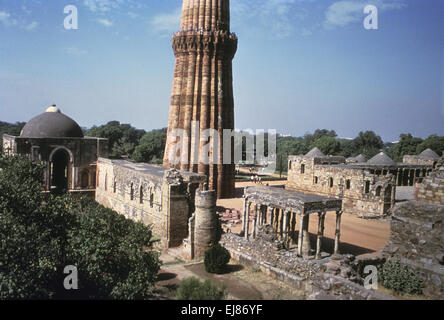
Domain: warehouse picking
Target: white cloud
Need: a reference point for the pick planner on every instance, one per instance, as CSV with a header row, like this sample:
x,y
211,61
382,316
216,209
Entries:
x,y
105,6
102,5
278,17
306,32
105,22
167,23
133,15
73,51
6,19
342,13
32,26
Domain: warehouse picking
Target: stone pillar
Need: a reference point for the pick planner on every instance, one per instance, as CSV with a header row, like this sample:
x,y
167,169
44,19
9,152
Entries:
x,y
247,221
276,221
206,222
271,213
255,220
292,227
321,222
301,230
243,216
338,231
259,215
285,225
306,246
281,224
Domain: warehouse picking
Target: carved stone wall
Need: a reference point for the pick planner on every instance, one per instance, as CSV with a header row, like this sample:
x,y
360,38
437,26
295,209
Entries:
x,y
154,196
362,193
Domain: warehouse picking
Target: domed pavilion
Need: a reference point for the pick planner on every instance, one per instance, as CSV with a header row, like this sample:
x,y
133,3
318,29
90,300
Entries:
x,y
58,142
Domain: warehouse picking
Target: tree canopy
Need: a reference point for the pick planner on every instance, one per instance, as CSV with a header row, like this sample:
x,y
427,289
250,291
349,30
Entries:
x,y
151,147
40,236
123,138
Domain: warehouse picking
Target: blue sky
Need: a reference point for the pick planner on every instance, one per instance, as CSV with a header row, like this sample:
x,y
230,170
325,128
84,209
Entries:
x,y
301,64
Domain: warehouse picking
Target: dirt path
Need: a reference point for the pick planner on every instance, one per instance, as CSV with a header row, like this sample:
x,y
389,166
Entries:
x,y
175,270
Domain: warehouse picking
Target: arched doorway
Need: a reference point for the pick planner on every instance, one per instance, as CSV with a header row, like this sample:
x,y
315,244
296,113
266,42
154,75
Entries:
x,y
84,179
60,170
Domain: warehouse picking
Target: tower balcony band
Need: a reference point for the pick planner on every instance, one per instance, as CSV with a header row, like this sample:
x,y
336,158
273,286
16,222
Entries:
x,y
219,43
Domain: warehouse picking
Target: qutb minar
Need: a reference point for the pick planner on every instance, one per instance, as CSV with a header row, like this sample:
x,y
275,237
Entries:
x,y
203,94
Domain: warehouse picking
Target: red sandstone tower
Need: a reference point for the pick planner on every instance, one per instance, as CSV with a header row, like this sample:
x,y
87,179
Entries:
x,y
203,93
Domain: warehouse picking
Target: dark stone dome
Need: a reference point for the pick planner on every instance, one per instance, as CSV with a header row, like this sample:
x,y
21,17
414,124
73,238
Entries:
x,y
52,124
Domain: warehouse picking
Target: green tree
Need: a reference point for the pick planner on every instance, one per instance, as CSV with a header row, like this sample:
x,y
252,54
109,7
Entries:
x,y
110,254
151,147
122,138
31,233
328,145
285,147
347,148
11,129
434,142
407,145
40,236
367,143
319,133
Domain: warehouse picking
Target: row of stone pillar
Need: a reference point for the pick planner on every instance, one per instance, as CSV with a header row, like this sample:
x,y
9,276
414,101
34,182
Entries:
x,y
411,175
283,223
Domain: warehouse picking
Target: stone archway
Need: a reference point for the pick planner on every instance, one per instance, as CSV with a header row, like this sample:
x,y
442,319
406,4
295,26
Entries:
x,y
60,170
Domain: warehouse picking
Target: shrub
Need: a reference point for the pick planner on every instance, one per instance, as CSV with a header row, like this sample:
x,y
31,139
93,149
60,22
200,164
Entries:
x,y
194,289
400,278
216,259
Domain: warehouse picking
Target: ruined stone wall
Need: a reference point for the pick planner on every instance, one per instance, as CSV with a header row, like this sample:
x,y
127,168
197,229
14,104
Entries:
x,y
318,278
431,191
161,199
362,193
417,240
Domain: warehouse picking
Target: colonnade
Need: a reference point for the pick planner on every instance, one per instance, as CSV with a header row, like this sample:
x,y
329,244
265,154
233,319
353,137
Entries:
x,y
405,176
290,226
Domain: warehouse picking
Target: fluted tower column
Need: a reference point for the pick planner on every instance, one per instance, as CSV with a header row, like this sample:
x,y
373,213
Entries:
x,y
202,94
